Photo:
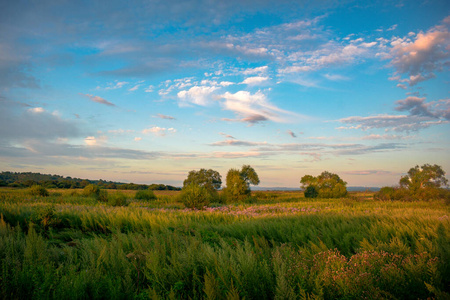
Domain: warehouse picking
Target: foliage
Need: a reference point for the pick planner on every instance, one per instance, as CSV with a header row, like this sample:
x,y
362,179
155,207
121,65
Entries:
x,y
28,179
195,196
93,190
327,185
37,190
45,217
426,176
306,249
238,183
117,199
145,195
209,179
421,183
311,192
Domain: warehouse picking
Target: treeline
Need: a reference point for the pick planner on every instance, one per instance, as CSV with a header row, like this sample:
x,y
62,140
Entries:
x,y
28,179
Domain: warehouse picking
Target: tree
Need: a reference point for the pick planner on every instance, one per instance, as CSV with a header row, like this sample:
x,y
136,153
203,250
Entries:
x,y
209,179
426,176
326,185
238,183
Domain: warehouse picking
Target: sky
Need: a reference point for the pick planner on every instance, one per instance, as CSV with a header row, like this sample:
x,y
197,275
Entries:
x,y
145,91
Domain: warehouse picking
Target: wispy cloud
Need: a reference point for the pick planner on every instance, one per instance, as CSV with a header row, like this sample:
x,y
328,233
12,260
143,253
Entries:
x,y
257,70
165,117
255,80
113,85
159,131
291,133
254,108
98,99
234,142
227,135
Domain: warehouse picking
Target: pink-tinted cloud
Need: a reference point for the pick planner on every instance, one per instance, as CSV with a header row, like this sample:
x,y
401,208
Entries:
x,y
99,99
419,58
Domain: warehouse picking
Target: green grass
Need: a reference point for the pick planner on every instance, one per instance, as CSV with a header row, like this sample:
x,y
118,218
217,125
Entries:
x,y
284,246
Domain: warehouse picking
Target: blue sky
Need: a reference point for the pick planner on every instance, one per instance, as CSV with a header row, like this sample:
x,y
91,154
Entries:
x,y
145,91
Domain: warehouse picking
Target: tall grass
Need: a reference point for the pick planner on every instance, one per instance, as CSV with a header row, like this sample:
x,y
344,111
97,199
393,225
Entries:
x,y
64,246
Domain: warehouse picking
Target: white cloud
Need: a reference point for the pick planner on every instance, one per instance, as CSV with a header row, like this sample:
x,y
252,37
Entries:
x,y
36,110
150,89
336,77
226,83
134,88
254,108
255,80
113,85
199,95
393,27
95,141
258,70
159,131
420,57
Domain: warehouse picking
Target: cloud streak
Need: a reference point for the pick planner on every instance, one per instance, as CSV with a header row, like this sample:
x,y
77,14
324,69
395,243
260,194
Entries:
x,y
98,99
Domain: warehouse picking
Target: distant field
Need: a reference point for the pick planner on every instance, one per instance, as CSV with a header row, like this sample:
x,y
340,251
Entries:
x,y
280,246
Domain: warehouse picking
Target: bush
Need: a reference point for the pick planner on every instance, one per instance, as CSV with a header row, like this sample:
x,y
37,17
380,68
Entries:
x,y
195,196
93,190
146,195
385,193
404,194
311,192
45,217
38,190
117,199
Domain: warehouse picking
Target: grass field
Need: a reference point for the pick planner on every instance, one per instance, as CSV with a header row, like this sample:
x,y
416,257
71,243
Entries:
x,y
281,246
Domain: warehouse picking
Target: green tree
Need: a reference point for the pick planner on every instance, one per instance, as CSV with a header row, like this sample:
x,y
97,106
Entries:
x,y
238,183
209,179
426,176
326,185
424,182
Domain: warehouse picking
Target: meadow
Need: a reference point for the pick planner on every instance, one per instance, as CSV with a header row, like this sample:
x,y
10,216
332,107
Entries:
x,y
278,246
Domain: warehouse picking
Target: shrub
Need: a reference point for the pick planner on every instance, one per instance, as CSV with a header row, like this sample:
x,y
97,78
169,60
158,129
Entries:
x,y
102,196
93,190
311,192
146,195
195,196
38,190
45,217
117,199
385,193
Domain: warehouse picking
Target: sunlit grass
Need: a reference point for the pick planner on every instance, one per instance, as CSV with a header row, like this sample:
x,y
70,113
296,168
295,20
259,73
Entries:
x,y
282,246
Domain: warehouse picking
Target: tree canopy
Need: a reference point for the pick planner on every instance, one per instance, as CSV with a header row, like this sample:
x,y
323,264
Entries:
x,y
209,179
326,185
420,183
238,183
426,176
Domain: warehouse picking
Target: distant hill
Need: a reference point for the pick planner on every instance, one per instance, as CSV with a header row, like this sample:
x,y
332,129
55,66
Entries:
x,y
27,179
